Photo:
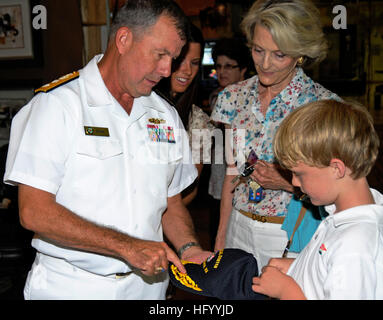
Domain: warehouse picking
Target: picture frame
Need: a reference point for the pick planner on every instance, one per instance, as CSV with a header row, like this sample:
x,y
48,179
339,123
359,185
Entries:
x,y
15,30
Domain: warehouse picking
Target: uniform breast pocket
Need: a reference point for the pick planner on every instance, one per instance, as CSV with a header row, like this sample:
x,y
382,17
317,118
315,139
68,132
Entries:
x,y
163,153
161,161
98,164
99,148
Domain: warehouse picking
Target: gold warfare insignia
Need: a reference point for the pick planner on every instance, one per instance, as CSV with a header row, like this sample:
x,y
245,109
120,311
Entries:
x,y
96,131
184,278
56,83
157,121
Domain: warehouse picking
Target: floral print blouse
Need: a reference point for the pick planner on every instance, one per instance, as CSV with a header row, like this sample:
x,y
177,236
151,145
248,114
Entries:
x,y
239,106
199,126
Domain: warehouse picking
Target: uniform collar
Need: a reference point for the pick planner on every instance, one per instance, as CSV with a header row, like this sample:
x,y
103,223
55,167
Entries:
x,y
154,101
369,213
97,93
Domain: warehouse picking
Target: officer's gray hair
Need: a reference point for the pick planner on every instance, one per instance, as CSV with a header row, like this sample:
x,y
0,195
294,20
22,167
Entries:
x,y
139,15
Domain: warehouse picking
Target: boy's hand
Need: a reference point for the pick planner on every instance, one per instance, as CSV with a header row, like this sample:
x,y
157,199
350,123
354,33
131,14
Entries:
x,y
283,264
271,282
276,284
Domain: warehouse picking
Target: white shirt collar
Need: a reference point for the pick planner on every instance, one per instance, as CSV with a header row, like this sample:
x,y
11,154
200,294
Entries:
x,y
98,94
371,212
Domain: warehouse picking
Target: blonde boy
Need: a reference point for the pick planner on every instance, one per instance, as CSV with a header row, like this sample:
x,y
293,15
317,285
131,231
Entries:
x,y
330,147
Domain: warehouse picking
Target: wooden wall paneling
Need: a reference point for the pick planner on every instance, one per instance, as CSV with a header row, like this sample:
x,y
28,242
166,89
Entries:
x,y
94,20
63,40
93,12
92,41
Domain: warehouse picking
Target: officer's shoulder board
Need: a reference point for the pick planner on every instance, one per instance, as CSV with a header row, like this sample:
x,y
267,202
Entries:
x,y
59,82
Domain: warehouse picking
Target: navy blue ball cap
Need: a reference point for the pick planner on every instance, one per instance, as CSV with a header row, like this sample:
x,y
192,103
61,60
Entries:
x,y
226,275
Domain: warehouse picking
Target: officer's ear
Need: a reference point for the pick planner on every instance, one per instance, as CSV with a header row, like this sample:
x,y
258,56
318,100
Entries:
x,y
123,39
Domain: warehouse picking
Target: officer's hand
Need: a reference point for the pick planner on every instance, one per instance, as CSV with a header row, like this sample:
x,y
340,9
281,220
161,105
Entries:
x,y
152,257
196,254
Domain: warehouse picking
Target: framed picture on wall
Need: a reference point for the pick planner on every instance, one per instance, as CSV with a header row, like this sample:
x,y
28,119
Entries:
x,y
15,30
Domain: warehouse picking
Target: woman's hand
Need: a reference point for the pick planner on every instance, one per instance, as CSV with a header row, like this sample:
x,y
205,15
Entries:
x,y
219,242
268,175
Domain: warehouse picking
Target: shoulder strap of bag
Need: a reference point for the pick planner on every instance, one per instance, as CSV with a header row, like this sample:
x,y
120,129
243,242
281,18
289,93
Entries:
x,y
297,224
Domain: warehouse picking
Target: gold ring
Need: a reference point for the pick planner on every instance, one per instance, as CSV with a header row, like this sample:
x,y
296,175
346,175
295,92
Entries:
x,y
160,269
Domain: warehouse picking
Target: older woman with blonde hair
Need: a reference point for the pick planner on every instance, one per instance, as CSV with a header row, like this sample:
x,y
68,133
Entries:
x,y
284,37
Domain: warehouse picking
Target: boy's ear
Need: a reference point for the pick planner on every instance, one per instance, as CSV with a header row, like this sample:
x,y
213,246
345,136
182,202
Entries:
x,y
339,168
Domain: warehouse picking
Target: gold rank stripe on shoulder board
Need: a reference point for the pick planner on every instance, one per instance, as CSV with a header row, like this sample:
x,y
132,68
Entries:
x,y
56,83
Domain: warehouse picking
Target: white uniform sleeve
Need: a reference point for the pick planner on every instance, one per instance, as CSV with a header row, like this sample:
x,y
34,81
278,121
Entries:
x,y
41,137
185,171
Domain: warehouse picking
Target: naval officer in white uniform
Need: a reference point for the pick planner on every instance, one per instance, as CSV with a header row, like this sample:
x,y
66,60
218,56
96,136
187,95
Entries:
x,y
100,161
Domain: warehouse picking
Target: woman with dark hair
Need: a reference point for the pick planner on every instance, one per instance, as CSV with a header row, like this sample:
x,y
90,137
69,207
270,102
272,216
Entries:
x,y
182,89
232,61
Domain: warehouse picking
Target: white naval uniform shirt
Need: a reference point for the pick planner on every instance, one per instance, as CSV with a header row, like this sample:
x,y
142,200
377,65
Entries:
x,y
120,181
344,259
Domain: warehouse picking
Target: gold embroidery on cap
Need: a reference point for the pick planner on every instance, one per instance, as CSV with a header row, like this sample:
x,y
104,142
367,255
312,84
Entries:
x,y
220,254
184,279
205,268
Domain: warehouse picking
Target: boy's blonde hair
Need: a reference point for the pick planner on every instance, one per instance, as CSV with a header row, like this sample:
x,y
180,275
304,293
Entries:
x,y
327,129
295,26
